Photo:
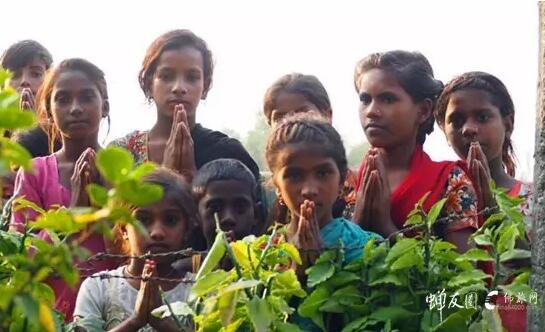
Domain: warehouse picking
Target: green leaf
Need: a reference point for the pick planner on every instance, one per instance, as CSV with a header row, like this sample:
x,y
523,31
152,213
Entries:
x,y
260,314
287,327
394,313
400,248
59,221
440,245
342,278
214,256
310,307
29,307
409,259
475,254
507,238
492,321
13,118
178,308
286,284
389,278
517,288
319,273
138,193
483,240
226,305
414,219
521,278
356,325
210,282
292,252
12,153
515,254
455,322
97,194
114,164
238,285
4,75
142,170
435,211
349,295
465,277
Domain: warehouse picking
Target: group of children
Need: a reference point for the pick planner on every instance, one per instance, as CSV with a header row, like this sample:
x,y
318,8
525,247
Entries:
x,y
204,172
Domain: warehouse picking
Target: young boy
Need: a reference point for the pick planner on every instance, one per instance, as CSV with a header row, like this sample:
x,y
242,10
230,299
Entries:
x,y
227,187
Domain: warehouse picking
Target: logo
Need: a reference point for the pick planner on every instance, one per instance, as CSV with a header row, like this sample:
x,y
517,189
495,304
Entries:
x,y
488,301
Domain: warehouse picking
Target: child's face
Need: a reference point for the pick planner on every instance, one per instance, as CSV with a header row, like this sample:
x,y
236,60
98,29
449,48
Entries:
x,y
76,105
470,116
303,173
388,115
234,203
30,76
291,103
178,79
166,226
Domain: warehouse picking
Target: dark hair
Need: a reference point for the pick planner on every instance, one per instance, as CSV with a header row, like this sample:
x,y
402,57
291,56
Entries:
x,y
176,187
43,97
307,128
173,40
499,97
307,85
223,169
413,72
22,53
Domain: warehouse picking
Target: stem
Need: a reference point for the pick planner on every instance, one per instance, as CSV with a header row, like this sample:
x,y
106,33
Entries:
x,y
176,319
267,247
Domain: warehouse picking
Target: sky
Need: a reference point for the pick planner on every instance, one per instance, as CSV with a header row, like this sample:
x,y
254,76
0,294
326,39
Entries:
x,y
256,42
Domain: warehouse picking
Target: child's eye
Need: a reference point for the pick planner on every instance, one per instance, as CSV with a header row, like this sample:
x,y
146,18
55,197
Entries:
x,y
365,99
166,76
293,175
323,173
214,207
456,121
193,78
88,97
144,218
241,206
388,98
37,74
172,219
62,99
482,118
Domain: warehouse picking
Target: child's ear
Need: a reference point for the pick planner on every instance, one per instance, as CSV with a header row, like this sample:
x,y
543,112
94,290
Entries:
x,y
509,123
105,108
425,110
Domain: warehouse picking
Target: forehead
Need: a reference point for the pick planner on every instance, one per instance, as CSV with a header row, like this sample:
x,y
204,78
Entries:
x,y
182,57
377,80
228,189
470,99
287,100
167,203
304,155
73,80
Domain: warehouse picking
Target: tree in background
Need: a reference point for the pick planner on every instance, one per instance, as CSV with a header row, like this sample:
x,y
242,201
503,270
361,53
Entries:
x,y
256,141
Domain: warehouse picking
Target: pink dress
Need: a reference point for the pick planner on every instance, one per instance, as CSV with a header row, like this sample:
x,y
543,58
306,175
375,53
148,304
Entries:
x,y
45,190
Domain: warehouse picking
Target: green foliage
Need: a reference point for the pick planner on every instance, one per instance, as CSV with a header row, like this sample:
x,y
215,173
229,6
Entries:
x,y
392,286
252,296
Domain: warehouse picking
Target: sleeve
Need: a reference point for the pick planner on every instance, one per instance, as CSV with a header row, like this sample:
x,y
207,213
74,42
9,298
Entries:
x,y
122,142
90,303
26,185
460,210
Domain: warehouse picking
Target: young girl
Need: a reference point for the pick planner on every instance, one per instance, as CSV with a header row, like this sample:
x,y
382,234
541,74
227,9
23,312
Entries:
x,y
295,93
397,92
298,93
123,302
308,164
176,75
477,113
72,102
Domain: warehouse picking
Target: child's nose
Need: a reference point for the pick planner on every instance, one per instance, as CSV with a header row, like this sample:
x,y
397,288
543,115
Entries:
x,y
157,231
470,130
373,110
180,86
310,189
